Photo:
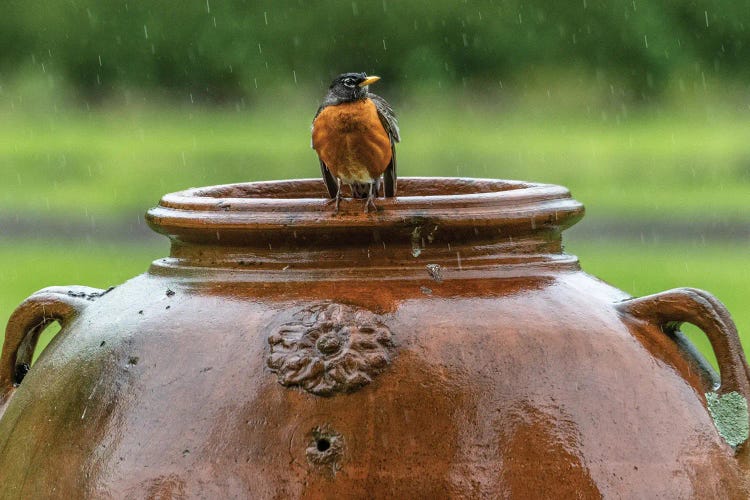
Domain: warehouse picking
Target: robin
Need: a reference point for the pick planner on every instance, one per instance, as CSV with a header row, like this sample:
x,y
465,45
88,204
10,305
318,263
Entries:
x,y
355,133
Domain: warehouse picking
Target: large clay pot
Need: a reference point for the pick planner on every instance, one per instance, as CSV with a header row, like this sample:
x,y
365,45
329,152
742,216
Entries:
x,y
444,346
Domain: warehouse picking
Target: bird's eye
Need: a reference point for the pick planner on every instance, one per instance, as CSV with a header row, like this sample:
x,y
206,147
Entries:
x,y
349,82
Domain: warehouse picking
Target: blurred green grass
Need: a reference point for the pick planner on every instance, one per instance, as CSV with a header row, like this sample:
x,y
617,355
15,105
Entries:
x,y
637,268
122,161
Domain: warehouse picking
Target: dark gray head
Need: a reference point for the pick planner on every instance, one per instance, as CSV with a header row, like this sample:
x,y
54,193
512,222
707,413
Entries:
x,y
349,87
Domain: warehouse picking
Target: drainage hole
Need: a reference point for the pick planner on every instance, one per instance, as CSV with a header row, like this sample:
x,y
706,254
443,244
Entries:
x,y
323,444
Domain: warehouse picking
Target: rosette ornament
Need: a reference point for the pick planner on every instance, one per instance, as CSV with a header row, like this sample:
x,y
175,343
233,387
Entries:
x,y
329,349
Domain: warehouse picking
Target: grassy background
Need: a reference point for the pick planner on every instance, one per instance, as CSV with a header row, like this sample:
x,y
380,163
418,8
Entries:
x,y
104,164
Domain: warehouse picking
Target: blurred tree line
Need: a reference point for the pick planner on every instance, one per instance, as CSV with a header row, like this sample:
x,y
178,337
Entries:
x,y
222,49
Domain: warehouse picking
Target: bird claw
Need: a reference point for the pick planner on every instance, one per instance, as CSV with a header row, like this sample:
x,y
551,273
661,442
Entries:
x,y
335,202
336,199
370,203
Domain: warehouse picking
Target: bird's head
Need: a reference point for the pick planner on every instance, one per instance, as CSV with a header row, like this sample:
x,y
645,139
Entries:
x,y
351,86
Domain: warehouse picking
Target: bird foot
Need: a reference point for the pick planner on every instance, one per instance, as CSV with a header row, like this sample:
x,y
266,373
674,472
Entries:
x,y
370,203
335,201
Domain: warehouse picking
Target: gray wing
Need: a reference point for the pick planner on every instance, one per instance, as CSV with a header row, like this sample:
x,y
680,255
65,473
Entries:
x,y
332,184
387,116
390,124
312,125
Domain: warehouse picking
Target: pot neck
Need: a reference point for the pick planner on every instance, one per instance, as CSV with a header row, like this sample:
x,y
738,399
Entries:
x,y
285,229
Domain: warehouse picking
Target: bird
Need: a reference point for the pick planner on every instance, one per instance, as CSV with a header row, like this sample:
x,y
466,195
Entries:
x,y
354,133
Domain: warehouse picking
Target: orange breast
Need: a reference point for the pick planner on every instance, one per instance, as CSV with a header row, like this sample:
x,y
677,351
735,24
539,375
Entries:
x,y
351,141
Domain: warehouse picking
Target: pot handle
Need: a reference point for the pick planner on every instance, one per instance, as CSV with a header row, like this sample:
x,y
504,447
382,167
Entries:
x,y
57,303
727,403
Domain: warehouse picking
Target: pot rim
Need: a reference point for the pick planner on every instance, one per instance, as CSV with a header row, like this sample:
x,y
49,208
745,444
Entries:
x,y
302,204
270,227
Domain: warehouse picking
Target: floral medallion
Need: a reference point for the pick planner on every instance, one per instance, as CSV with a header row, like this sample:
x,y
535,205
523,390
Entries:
x,y
330,348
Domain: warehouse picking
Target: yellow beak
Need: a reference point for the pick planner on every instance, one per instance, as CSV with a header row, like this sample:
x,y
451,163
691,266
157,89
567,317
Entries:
x,y
369,80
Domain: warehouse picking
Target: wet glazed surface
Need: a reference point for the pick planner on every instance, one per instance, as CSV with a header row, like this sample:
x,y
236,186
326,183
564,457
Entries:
x,y
509,373
181,399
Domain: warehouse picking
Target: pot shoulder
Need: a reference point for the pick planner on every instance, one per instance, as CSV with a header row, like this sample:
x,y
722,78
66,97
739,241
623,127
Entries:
x,y
409,388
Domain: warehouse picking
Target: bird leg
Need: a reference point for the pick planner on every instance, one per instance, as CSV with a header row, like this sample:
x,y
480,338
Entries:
x,y
371,199
337,198
338,195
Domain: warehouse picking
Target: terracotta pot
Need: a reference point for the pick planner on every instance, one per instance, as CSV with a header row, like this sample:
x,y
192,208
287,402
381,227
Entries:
x,y
443,347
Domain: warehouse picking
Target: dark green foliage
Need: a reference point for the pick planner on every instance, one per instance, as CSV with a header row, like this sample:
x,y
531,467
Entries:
x,y
224,49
